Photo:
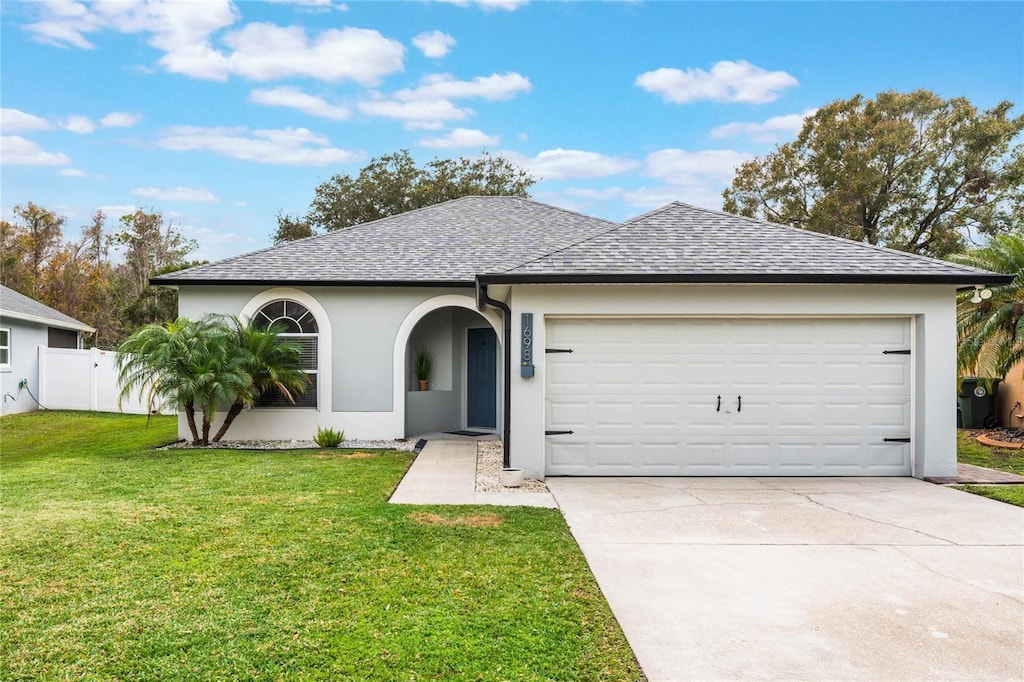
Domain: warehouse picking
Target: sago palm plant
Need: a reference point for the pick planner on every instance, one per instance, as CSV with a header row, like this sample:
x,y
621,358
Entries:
x,y
991,333
188,364
271,362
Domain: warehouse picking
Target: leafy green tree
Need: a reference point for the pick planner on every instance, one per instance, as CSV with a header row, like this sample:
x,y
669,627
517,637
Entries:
x,y
271,362
910,171
290,228
190,364
27,244
394,184
991,332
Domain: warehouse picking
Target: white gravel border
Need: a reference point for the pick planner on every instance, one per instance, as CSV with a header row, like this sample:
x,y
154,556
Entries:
x,y
403,444
489,460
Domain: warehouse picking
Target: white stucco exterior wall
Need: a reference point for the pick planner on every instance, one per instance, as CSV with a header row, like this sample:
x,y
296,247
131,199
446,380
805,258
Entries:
x,y
25,340
932,309
363,350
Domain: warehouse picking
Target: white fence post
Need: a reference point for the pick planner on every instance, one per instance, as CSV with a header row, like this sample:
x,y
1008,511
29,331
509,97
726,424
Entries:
x,y
94,357
44,396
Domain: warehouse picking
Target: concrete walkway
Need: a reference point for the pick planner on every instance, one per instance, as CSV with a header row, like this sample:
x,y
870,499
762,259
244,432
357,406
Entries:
x,y
805,579
445,473
968,473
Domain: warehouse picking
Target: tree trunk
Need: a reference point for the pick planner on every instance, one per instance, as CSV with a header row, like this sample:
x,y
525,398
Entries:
x,y
190,416
236,409
206,427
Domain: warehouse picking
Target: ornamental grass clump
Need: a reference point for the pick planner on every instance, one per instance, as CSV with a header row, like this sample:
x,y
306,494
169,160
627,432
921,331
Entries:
x,y
328,438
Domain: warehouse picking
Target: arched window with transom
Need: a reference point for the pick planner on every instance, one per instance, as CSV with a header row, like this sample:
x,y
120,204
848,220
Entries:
x,y
296,325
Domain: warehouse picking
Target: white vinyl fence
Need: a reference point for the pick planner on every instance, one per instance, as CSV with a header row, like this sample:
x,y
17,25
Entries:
x,y
84,380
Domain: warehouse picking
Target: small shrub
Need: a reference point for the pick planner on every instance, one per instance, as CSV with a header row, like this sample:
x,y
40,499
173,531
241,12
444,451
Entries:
x,y
328,438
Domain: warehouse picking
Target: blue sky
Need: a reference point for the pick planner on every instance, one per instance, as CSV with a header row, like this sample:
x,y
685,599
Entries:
x,y
221,114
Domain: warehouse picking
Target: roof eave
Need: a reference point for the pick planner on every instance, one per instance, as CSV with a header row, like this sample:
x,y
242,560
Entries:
x,y
209,281
970,279
60,324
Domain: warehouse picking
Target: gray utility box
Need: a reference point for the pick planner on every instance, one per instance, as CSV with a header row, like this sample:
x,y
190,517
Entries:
x,y
977,401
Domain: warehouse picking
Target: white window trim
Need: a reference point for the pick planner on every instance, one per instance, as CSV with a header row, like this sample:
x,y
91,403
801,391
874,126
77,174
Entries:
x,y
323,336
7,347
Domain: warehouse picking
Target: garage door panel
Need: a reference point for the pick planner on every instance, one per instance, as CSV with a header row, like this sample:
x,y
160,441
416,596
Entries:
x,y
614,416
818,397
568,375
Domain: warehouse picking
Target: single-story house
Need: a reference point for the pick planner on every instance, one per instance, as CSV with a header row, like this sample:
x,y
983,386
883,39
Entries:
x,y
25,325
683,342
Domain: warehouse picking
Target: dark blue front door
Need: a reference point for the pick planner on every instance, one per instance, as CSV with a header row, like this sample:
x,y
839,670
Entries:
x,y
482,378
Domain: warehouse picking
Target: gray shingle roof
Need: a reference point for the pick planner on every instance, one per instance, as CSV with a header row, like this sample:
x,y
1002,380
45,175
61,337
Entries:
x,y
19,306
507,239
696,244
449,242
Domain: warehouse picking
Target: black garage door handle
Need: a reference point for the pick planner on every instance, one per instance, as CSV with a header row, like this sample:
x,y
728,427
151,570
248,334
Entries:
x,y
739,403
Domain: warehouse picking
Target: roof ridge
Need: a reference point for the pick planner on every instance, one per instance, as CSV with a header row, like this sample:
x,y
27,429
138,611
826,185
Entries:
x,y
614,227
822,235
655,211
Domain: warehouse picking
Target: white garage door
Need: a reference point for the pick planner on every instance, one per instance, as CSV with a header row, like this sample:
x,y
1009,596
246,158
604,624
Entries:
x,y
728,397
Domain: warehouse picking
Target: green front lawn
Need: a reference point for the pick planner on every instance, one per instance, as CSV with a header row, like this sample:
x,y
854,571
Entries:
x,y
970,451
119,561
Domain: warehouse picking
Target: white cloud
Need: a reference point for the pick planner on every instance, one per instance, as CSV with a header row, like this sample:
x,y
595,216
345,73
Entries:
x,y
184,32
647,198
728,81
263,51
497,86
313,5
692,177
115,212
297,99
430,105
680,167
119,119
79,124
771,130
461,137
431,114
16,121
193,194
434,44
509,5
570,164
173,26
72,173
604,194
286,146
17,151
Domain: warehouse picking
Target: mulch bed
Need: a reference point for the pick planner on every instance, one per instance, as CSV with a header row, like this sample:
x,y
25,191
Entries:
x,y
1002,438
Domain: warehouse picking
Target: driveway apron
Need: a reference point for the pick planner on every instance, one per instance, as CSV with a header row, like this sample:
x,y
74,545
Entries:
x,y
821,578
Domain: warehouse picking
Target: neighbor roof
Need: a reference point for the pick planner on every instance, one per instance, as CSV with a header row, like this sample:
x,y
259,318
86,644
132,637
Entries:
x,y
683,243
446,244
507,240
21,307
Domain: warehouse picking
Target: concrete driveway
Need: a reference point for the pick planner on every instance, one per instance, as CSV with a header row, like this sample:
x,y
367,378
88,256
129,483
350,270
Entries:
x,y
824,578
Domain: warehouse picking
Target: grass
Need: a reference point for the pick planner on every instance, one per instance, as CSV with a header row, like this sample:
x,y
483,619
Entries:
x,y
1011,494
970,451
120,561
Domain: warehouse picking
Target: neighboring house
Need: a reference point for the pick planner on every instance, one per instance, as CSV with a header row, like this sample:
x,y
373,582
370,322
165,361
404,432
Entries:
x,y
682,342
25,325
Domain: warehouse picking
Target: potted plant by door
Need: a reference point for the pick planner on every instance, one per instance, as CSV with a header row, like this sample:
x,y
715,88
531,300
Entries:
x,y
424,366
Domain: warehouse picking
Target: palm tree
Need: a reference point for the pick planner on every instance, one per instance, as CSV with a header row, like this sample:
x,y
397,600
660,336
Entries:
x,y
991,332
189,364
270,362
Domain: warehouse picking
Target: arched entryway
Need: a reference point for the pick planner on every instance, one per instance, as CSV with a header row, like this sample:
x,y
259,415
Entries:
x,y
464,388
